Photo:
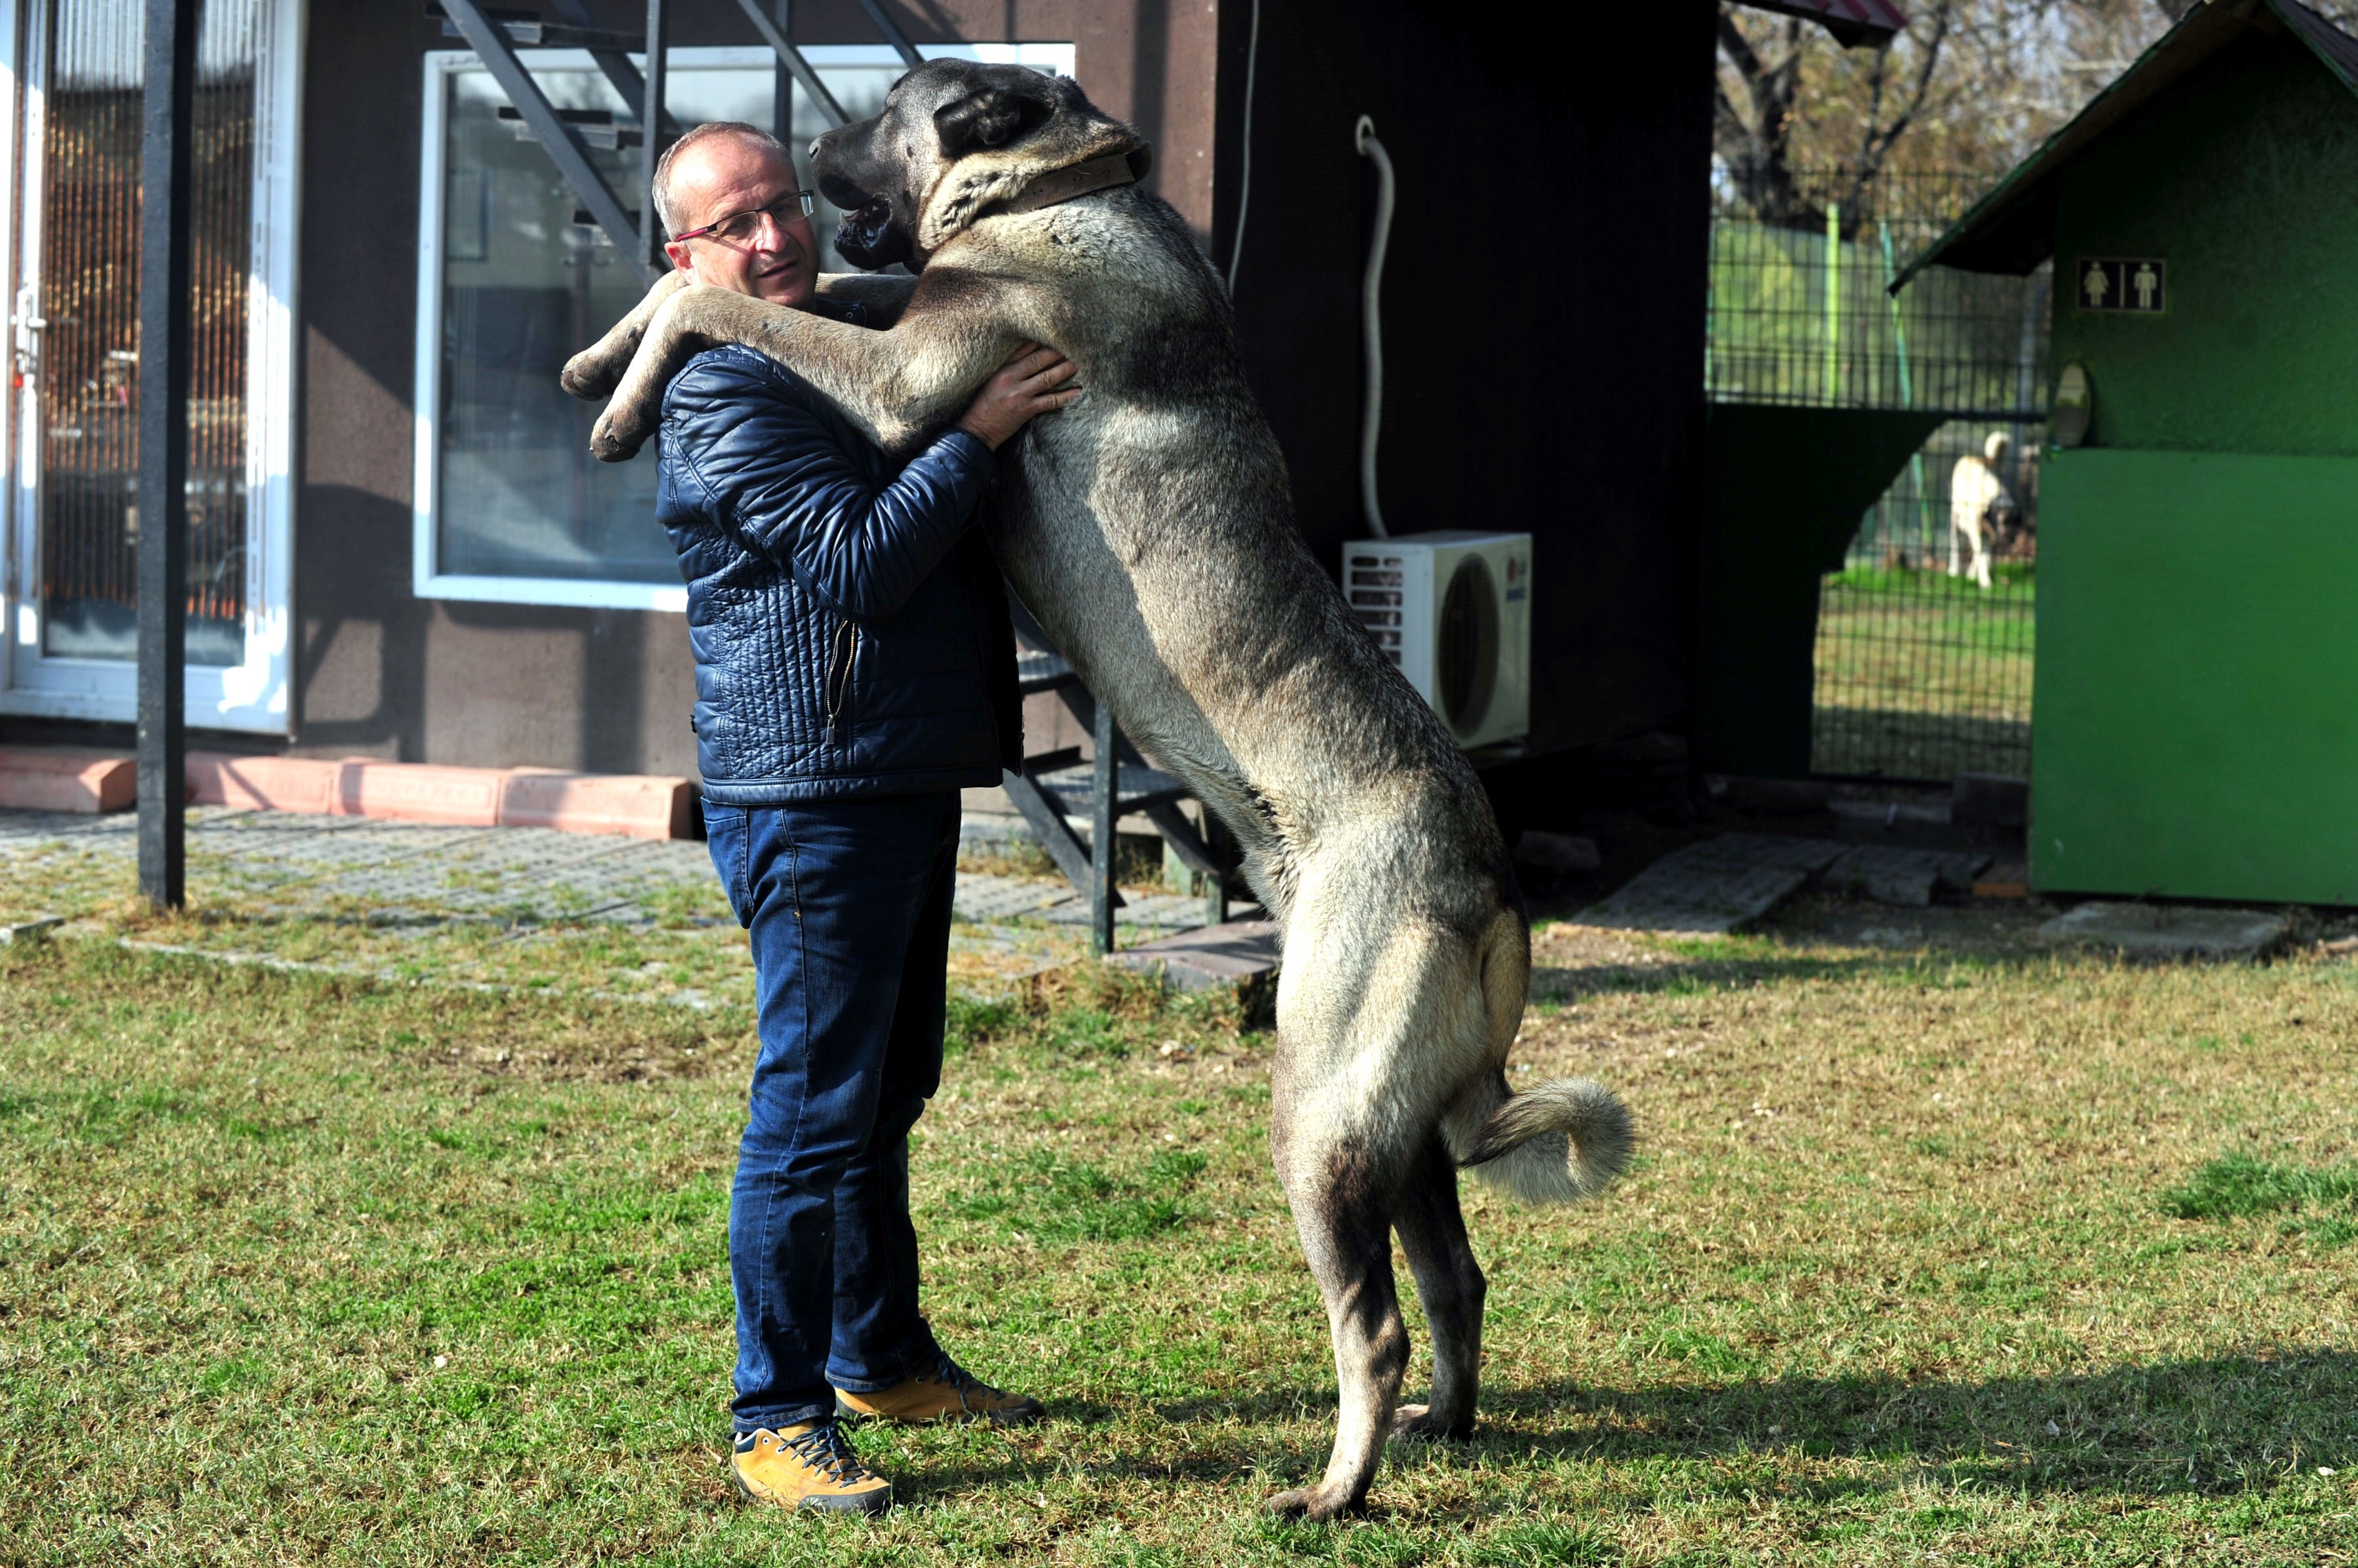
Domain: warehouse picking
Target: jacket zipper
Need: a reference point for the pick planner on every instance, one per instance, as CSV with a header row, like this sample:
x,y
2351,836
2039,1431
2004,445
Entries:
x,y
839,677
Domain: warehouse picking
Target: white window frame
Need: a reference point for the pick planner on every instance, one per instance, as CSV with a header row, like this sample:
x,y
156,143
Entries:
x,y
428,579
251,695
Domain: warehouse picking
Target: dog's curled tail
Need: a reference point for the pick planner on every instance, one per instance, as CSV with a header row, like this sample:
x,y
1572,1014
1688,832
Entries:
x,y
1555,1143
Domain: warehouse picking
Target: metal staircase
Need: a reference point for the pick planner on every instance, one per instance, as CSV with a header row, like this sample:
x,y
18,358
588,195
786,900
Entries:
x,y
1054,788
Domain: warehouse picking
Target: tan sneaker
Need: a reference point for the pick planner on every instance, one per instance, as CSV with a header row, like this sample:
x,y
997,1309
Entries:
x,y
808,1467
948,1393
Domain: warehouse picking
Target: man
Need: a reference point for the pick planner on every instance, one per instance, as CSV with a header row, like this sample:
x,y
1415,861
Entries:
x,y
854,671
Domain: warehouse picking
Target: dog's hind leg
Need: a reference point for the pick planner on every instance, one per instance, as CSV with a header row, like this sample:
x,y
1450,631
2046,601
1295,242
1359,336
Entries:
x,y
1340,1196
1450,1284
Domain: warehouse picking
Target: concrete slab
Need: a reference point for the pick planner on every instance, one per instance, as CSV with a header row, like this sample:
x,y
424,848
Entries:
x,y
418,875
984,900
1241,953
1891,873
1714,886
2169,931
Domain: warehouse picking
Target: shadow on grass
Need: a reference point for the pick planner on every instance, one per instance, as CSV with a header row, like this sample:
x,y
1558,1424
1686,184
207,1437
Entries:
x,y
2210,1425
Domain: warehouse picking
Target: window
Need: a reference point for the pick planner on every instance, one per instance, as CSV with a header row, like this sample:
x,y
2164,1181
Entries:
x,y
512,280
67,595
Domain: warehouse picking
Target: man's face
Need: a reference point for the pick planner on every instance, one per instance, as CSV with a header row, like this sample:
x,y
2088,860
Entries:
x,y
726,176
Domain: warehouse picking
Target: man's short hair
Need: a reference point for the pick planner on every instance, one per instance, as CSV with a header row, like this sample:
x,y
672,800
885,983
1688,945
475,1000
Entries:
x,y
704,133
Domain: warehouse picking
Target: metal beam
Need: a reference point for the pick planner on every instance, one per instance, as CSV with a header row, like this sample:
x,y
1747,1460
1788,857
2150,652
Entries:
x,y
782,92
559,140
1048,824
651,145
1103,807
775,37
167,98
893,34
613,62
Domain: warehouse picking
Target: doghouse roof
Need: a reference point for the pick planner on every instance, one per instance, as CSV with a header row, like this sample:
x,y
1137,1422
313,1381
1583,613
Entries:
x,y
2012,228
1850,21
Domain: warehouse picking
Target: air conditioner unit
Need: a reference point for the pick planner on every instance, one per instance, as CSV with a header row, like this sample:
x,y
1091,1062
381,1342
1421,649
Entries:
x,y
1453,610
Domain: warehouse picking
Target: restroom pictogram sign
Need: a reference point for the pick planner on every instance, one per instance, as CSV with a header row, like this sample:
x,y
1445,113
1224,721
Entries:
x,y
2137,284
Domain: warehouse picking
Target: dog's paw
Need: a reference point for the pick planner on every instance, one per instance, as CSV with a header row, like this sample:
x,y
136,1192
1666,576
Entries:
x,y
1313,1505
1417,1423
617,436
593,373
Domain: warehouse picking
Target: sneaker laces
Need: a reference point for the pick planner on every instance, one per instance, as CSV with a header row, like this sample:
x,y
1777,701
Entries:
x,y
827,1450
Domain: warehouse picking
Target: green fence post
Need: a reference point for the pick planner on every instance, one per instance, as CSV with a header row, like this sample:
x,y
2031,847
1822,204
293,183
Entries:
x,y
1907,393
1831,380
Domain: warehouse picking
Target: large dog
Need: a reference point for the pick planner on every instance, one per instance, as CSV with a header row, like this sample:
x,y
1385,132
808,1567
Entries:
x,y
1149,529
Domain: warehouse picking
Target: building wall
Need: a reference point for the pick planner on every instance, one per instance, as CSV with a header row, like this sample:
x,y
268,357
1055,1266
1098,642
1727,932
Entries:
x,y
382,673
1542,304
2240,179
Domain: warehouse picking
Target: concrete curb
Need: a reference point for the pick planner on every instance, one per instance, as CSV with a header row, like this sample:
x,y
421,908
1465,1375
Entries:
x,y
636,805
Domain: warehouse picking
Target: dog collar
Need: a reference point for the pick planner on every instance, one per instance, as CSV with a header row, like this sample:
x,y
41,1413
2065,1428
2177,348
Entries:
x,y
1101,173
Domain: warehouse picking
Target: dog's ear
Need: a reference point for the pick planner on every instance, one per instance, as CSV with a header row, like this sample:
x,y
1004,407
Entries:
x,y
989,117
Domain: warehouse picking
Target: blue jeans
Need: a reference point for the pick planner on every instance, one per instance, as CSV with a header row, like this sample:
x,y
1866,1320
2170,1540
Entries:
x,y
848,906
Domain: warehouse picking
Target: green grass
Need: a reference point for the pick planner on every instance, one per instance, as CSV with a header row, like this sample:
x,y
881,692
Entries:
x,y
2237,1186
1973,1255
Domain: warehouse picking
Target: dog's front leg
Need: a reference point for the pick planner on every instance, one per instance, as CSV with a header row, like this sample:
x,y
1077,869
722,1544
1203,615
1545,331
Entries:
x,y
598,368
898,385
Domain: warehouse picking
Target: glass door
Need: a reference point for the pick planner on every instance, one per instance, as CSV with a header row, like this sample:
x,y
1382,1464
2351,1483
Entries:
x,y
76,513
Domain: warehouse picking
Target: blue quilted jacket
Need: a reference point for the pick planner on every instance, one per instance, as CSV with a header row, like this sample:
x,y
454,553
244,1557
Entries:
x,y
850,632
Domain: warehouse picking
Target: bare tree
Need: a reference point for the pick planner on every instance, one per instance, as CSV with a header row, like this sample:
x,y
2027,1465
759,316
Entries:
x,y
1765,133
1969,89
1760,65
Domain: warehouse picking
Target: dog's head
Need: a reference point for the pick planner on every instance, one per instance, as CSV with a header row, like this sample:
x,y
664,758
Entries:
x,y
954,139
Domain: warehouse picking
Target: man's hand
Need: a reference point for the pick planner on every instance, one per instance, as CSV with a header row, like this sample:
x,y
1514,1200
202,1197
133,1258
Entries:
x,y
1032,382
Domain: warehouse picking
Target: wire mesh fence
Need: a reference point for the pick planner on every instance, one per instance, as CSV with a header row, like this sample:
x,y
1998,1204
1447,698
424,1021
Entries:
x,y
1925,636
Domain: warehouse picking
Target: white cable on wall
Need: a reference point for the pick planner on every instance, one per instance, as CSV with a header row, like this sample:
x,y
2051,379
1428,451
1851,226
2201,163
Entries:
x,y
1371,324
1244,177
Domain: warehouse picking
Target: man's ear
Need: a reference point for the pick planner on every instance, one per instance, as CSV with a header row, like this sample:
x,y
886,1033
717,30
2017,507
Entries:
x,y
990,117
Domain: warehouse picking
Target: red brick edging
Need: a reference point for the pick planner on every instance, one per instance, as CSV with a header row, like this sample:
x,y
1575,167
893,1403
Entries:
x,y
639,805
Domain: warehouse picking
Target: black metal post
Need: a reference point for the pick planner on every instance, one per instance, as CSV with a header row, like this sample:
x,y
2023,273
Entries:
x,y
171,61
1215,888
651,137
781,85
1103,800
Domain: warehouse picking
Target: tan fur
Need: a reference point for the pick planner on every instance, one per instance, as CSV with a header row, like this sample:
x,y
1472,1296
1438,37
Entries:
x,y
1149,529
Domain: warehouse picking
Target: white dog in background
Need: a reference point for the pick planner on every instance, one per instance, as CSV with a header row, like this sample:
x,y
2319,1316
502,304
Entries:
x,y
1979,502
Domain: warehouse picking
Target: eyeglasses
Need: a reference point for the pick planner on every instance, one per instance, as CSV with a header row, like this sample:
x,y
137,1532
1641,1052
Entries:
x,y
739,228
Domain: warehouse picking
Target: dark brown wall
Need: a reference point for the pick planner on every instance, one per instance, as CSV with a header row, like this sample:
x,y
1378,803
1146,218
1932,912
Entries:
x,y
1543,303
381,673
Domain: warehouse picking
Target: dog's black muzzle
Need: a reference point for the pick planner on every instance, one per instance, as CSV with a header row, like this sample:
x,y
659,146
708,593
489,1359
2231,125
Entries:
x,y
868,235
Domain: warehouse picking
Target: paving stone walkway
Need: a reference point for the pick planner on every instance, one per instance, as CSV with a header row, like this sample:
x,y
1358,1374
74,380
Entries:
x,y
413,874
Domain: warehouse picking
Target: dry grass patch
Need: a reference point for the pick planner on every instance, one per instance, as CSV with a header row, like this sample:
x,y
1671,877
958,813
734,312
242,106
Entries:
x,y
1958,1251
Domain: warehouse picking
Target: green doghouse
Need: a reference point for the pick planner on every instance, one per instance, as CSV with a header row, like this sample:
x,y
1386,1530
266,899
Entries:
x,y
2195,729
